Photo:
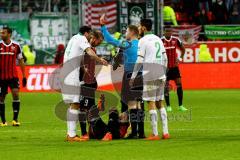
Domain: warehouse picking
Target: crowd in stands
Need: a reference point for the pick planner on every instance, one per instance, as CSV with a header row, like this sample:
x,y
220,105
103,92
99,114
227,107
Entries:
x,y
30,6
186,11
204,12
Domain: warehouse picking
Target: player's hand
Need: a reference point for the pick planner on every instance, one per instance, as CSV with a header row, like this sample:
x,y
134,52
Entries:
x,y
103,61
24,81
102,20
131,82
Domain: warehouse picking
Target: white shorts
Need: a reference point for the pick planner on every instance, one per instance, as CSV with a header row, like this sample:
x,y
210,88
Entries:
x,y
153,90
71,88
68,98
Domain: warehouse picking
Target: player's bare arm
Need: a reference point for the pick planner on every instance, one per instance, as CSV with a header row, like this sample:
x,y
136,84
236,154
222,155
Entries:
x,y
182,48
91,53
22,66
102,20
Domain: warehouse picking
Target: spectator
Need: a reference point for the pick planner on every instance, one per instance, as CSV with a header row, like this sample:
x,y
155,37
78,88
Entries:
x,y
29,55
15,8
25,5
58,5
60,54
3,6
190,8
36,5
235,13
203,18
203,4
169,16
229,4
220,12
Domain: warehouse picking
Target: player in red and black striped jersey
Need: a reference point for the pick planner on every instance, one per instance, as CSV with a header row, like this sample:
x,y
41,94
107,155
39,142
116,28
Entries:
x,y
10,52
171,44
90,83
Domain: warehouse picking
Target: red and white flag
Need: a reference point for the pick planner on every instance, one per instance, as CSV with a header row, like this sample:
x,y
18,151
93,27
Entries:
x,y
92,13
189,34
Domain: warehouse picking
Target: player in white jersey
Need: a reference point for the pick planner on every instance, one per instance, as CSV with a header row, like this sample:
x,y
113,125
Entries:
x,y
70,72
152,56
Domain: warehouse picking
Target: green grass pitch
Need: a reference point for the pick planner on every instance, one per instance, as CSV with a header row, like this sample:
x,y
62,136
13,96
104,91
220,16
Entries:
x,y
210,131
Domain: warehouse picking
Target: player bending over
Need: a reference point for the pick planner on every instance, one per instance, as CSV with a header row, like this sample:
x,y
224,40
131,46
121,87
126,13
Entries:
x,y
10,51
90,84
77,47
171,44
152,55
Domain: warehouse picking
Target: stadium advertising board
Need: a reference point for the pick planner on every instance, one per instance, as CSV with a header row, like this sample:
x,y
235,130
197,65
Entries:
x,y
37,78
222,32
220,52
194,76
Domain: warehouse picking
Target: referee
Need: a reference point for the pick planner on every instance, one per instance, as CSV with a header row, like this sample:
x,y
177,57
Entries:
x,y
130,99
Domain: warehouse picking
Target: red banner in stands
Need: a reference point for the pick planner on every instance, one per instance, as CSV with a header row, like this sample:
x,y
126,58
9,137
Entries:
x,y
220,51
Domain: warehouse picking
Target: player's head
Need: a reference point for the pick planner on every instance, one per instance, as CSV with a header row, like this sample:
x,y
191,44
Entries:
x,y
167,32
6,33
132,32
145,26
86,30
96,38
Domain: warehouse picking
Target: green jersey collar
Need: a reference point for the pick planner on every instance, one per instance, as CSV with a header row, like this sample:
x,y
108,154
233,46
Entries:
x,y
147,33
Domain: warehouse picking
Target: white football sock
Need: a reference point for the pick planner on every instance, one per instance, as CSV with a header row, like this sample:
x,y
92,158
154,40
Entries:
x,y
153,119
163,115
72,118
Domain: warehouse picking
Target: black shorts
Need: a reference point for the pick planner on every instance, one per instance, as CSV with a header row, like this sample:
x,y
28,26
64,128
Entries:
x,y
173,73
87,98
11,83
134,93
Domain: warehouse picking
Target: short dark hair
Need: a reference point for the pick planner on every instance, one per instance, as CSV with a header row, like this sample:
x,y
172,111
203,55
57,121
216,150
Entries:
x,y
9,30
85,29
97,34
146,23
134,29
168,29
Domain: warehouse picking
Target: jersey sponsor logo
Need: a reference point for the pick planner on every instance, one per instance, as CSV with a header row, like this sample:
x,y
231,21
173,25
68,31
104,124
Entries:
x,y
12,48
7,53
172,47
173,42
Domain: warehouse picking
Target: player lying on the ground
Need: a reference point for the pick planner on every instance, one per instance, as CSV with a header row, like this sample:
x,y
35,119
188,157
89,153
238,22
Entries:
x,y
130,99
90,83
116,127
171,44
76,48
10,52
152,56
